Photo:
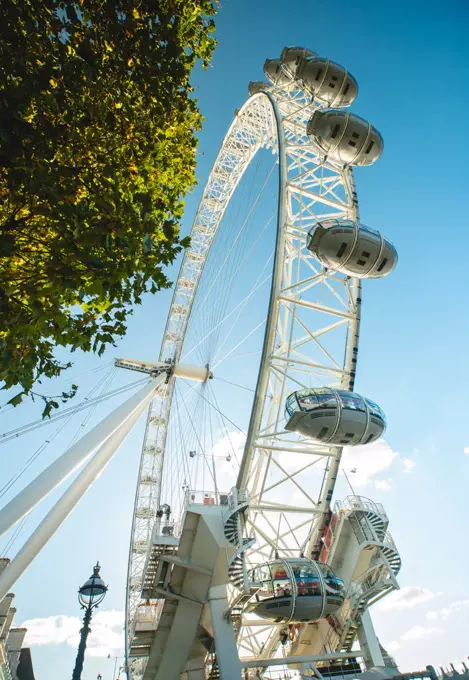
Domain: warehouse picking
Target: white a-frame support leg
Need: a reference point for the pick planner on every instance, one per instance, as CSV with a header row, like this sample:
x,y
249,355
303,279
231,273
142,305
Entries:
x,y
225,642
69,461
369,643
74,493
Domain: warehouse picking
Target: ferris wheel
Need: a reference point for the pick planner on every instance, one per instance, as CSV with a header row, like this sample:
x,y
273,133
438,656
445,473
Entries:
x,y
239,563
267,300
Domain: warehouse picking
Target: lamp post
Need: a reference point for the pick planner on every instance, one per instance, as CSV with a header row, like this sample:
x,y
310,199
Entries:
x,y
90,595
352,471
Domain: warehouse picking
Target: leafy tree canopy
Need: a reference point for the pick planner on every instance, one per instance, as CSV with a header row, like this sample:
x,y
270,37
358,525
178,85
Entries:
x,y
97,151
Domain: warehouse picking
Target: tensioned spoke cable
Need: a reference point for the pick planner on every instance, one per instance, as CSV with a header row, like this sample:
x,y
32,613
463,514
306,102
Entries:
x,y
243,302
219,412
220,246
238,268
228,382
217,409
237,237
225,284
180,430
240,343
201,447
246,354
35,424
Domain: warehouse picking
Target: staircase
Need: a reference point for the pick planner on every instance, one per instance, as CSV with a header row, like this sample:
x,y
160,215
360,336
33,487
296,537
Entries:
x,y
390,552
374,575
237,504
375,584
370,523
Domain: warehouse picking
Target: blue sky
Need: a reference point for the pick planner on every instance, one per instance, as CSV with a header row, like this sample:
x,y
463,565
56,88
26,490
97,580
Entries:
x,y
412,65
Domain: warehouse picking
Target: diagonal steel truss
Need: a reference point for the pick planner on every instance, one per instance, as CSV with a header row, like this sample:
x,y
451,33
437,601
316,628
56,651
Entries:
x,y
311,339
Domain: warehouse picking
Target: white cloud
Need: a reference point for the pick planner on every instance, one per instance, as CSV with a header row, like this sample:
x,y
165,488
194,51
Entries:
x,y
383,484
406,597
373,460
448,611
392,646
230,445
368,461
231,442
459,603
106,637
419,632
466,450
53,630
409,464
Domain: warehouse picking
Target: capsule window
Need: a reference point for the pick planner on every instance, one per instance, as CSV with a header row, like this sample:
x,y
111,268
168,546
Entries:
x,y
365,253
332,85
355,135
361,263
352,143
347,437
334,78
318,74
335,131
383,264
369,438
369,147
341,250
346,88
323,432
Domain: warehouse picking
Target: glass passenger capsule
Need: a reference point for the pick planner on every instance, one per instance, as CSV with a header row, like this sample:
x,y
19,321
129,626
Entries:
x,y
335,417
295,590
274,71
351,248
291,56
327,81
345,138
256,86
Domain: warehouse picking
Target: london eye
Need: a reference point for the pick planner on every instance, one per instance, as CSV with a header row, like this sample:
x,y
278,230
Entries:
x,y
278,517
242,564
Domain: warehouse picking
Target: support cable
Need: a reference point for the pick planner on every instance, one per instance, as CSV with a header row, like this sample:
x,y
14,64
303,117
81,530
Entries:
x,y
36,424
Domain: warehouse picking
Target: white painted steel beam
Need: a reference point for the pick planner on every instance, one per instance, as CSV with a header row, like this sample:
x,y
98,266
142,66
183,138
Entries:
x,y
75,456
73,495
225,640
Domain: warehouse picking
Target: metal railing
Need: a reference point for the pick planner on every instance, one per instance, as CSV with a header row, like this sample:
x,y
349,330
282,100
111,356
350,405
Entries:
x,y
206,497
165,527
389,542
147,616
362,503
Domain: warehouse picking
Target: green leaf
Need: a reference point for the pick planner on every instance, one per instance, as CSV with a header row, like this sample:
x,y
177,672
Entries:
x,y
147,243
17,399
98,130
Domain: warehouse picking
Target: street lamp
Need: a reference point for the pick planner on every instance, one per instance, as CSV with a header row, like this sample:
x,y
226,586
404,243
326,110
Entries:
x,y
90,595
